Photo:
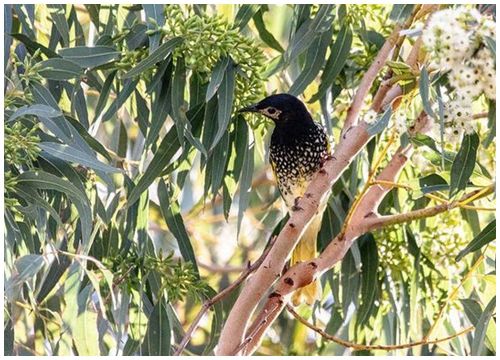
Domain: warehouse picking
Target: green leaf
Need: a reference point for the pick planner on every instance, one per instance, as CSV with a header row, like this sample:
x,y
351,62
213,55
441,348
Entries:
x,y
264,34
158,55
219,159
244,14
245,182
424,140
400,12
59,69
26,267
85,334
104,94
170,210
36,110
432,183
369,279
304,36
487,235
70,313
128,87
69,153
472,310
163,156
162,103
43,180
350,280
225,103
399,67
158,334
59,17
33,46
336,61
381,123
240,145
90,57
492,124
424,86
315,58
179,107
491,45
481,327
155,12
217,322
216,78
464,163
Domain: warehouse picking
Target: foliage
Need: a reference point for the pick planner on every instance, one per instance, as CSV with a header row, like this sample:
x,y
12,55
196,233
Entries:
x,y
129,174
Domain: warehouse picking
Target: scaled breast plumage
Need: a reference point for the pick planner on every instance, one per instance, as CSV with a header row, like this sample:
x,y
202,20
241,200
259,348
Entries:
x,y
296,158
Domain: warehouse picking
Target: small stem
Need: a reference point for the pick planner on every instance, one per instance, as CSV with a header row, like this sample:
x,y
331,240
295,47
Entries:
x,y
355,346
221,295
454,294
367,185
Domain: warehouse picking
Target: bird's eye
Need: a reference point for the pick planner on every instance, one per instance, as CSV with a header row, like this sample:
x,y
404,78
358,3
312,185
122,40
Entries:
x,y
271,110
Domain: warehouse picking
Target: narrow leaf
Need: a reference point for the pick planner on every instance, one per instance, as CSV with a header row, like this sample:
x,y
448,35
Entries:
x,y
464,163
158,55
487,235
216,78
336,61
481,327
158,334
225,104
424,86
69,153
59,69
170,210
89,57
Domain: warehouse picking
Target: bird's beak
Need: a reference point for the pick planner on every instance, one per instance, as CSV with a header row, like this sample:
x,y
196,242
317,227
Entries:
x,y
250,108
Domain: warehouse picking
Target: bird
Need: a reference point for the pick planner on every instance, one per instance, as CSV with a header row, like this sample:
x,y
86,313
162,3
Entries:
x,y
299,146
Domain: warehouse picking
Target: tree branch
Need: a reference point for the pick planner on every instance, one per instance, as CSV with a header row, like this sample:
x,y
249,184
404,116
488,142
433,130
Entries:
x,y
221,295
354,137
355,346
382,221
368,78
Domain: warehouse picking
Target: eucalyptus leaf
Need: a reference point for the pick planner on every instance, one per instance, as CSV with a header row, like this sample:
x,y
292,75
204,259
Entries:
x,y
68,153
158,334
158,55
89,57
487,235
59,69
171,213
464,163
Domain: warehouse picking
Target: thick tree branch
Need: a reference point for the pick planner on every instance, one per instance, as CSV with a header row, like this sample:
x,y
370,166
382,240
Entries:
x,y
235,328
354,137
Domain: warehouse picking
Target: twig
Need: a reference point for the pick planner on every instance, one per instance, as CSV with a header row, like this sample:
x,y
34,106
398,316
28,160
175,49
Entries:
x,y
480,115
355,346
220,268
221,295
369,78
381,221
454,294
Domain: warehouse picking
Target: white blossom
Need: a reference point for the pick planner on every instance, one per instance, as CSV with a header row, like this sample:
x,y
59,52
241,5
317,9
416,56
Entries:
x,y
370,116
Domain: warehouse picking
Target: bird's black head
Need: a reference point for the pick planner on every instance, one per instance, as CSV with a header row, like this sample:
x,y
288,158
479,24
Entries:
x,y
281,108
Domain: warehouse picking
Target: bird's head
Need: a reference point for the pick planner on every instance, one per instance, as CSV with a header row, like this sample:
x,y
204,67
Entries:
x,y
280,108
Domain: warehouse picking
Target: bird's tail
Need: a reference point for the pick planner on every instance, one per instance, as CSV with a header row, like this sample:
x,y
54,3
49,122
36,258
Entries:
x,y
305,251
